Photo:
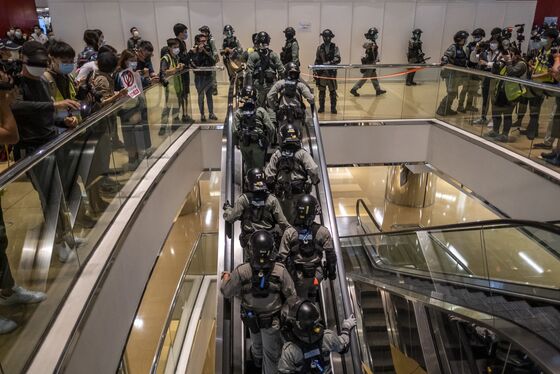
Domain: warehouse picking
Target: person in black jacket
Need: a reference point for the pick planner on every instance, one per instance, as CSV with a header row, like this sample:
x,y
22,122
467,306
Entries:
x,y
182,33
201,56
34,112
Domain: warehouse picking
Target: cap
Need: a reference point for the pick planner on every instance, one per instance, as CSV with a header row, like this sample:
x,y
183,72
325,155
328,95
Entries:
x,y
36,54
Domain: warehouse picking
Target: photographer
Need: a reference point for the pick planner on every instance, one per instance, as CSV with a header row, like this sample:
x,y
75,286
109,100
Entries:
x,y
169,67
489,54
201,55
144,66
181,32
505,94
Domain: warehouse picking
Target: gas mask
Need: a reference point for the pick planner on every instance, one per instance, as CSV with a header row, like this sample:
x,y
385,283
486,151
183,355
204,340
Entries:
x,y
494,46
327,39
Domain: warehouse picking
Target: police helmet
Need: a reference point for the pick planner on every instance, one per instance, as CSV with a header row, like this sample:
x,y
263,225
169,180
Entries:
x,y
228,30
496,31
307,209
262,246
327,33
417,31
292,71
204,29
256,180
460,35
306,322
371,34
263,38
290,32
290,136
478,32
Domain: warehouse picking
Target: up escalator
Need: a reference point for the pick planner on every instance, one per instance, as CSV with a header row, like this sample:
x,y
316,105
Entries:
x,y
474,297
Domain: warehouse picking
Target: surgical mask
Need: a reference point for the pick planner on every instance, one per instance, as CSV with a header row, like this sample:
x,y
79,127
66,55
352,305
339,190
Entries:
x,y
493,46
477,39
38,32
35,71
136,34
505,43
375,37
185,35
65,68
175,51
18,34
132,65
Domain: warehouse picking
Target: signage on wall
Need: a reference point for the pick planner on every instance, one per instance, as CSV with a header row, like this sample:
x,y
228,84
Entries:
x,y
304,26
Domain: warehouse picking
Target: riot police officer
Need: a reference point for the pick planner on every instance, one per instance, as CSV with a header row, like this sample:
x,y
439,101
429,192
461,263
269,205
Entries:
x,y
472,82
371,57
308,343
454,55
327,54
415,54
231,51
291,170
286,97
263,68
258,209
262,285
302,249
253,130
290,51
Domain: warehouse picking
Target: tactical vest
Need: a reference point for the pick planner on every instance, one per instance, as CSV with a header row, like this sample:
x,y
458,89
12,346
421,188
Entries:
x,y
262,282
314,359
460,56
263,71
328,56
286,54
250,132
287,164
307,254
230,43
371,55
414,49
257,211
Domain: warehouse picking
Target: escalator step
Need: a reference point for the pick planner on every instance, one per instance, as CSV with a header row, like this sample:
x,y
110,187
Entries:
x,y
371,303
375,320
378,338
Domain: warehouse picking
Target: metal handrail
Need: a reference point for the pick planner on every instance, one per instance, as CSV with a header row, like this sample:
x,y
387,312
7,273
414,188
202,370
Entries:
x,y
21,167
347,305
361,202
470,226
225,243
476,72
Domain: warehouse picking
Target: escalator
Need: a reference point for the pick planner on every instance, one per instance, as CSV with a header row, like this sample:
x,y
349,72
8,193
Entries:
x,y
232,338
480,317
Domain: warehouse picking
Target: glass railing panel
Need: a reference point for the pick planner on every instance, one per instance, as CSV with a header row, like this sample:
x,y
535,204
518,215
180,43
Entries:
x,y
201,265
208,93
523,255
58,209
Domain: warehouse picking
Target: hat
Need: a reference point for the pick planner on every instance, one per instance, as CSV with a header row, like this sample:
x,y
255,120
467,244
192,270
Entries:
x,y
36,54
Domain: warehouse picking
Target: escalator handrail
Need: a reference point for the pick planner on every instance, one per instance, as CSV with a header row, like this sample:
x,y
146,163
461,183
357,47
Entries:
x,y
341,276
225,243
361,202
506,222
24,165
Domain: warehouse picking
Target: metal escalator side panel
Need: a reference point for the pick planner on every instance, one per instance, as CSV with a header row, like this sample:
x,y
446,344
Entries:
x,y
342,301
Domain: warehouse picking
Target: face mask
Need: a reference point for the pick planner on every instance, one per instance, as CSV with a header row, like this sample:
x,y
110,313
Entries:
x,y
11,32
18,34
375,37
132,65
493,46
175,51
477,39
327,39
38,32
35,71
65,68
136,34
505,43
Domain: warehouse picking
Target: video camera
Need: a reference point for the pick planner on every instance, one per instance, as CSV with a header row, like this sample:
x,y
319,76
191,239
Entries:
x,y
13,70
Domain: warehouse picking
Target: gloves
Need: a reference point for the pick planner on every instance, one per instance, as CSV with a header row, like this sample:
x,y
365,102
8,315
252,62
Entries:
x,y
348,324
227,205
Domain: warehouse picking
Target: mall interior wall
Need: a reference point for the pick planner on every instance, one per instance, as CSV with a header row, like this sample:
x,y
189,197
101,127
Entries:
x,y
349,20
22,13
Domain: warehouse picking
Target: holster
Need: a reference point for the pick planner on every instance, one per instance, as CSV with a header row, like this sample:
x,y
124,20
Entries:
x,y
251,320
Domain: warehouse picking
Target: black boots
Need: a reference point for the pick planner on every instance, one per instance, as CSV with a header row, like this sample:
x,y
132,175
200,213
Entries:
x,y
333,102
322,95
